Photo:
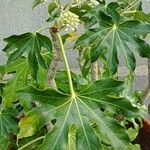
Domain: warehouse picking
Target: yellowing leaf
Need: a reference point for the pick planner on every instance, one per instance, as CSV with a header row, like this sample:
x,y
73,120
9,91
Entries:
x,y
28,125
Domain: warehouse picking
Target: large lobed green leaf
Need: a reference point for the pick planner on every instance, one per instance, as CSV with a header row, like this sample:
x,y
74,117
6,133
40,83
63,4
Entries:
x,y
115,35
30,43
79,118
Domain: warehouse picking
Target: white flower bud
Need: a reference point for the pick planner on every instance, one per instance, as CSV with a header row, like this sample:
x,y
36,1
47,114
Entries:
x,y
69,20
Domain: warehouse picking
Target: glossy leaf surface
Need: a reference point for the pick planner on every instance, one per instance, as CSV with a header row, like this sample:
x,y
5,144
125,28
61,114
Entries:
x,y
115,35
78,114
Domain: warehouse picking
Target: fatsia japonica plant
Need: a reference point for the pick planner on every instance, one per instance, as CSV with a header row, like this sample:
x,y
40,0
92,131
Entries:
x,y
44,107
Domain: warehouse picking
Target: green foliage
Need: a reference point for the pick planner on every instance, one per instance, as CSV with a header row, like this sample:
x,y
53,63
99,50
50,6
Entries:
x,y
19,80
32,43
8,122
115,35
81,112
78,113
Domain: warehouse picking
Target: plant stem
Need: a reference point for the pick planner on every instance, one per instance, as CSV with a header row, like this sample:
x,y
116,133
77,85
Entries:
x,y
56,59
66,64
126,12
33,141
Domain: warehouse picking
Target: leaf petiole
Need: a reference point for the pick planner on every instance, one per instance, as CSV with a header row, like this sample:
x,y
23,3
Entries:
x,y
66,64
42,28
33,141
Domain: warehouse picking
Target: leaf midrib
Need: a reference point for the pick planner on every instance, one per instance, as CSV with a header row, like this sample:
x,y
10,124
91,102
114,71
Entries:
x,y
80,118
64,122
103,101
113,135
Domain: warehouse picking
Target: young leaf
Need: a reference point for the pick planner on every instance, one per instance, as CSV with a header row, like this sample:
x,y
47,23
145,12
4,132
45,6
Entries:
x,y
28,43
78,111
115,37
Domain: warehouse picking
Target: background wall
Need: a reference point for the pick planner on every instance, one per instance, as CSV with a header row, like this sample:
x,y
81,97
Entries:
x,y
17,17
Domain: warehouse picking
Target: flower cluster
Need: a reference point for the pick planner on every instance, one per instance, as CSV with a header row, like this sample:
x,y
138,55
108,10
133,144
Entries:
x,y
68,20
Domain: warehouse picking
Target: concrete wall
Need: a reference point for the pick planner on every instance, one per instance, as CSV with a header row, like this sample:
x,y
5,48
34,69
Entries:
x,y
17,17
